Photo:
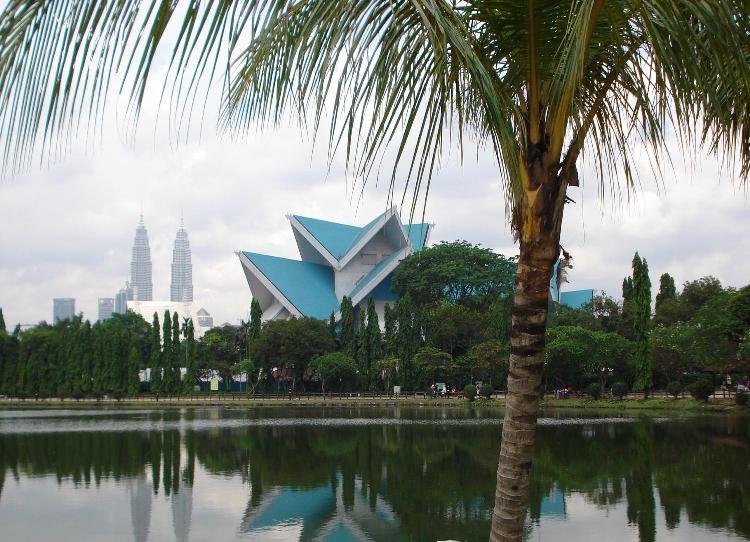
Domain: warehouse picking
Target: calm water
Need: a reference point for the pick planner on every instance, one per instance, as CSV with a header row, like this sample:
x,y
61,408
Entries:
x,y
316,474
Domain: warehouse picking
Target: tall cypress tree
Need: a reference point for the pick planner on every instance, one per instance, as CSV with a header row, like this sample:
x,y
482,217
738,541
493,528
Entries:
x,y
641,304
191,373
166,353
177,357
667,291
2,322
361,350
374,337
332,328
155,361
390,322
408,337
347,335
134,361
255,319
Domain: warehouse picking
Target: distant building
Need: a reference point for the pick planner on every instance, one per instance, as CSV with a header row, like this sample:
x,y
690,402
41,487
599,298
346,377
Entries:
x,y
205,320
182,268
184,310
337,260
140,265
121,300
63,308
106,308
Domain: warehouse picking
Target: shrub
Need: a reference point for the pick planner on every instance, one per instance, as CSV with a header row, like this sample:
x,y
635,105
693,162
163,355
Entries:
x,y
701,389
741,398
594,390
675,388
470,392
78,395
485,391
619,389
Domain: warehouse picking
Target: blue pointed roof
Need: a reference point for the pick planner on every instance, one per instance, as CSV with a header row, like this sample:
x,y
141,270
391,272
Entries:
x,y
308,286
336,238
417,234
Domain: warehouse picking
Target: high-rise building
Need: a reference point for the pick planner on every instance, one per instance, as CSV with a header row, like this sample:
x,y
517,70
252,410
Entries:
x,y
182,268
63,308
140,265
106,308
121,301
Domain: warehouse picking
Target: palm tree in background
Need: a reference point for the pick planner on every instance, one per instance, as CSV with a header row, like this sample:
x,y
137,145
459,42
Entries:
x,y
541,83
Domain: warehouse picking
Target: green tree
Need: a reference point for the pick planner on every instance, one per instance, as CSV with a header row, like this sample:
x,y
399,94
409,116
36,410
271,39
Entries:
x,y
433,363
667,291
291,345
167,359
641,325
387,369
255,319
456,272
347,336
360,353
176,355
332,327
155,361
390,322
2,322
191,368
538,83
134,362
333,368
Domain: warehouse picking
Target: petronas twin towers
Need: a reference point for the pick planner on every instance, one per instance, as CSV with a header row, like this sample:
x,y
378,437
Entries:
x,y
182,267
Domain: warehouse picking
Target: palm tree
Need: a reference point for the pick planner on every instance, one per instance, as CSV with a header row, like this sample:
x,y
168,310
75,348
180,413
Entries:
x,y
542,83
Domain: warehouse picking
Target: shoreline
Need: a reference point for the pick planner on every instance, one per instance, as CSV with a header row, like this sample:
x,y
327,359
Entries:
x,y
633,406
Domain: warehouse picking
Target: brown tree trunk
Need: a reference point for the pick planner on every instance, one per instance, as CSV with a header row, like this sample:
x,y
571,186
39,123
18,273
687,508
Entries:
x,y
524,384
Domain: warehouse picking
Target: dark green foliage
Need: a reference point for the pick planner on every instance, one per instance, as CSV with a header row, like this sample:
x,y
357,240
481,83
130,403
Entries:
x,y
619,389
741,398
335,370
641,302
470,392
391,327
739,314
133,382
347,337
191,368
291,345
167,359
255,319
155,361
374,342
456,272
701,389
332,328
667,291
486,390
675,388
433,365
360,353
176,355
2,322
594,391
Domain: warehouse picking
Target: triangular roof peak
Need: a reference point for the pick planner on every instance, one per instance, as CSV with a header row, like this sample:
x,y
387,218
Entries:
x,y
339,243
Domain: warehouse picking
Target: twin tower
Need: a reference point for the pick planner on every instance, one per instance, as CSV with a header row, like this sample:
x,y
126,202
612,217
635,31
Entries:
x,y
140,267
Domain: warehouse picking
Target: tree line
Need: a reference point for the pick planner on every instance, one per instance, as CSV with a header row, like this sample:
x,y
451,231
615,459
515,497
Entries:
x,y
450,323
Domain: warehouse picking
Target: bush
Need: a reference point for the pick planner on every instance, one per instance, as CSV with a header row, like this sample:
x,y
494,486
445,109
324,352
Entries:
x,y
485,391
741,398
470,392
78,395
594,390
675,388
701,389
619,389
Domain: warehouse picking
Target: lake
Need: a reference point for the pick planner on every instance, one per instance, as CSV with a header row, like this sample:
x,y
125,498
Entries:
x,y
382,474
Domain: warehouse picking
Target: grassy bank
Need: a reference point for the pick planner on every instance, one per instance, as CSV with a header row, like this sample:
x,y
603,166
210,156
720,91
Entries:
x,y
627,406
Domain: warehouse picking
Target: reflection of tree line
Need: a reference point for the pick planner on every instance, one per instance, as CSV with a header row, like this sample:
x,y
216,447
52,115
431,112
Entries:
x,y
438,480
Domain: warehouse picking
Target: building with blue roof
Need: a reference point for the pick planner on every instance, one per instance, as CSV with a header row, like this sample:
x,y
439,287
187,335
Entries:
x,y
336,260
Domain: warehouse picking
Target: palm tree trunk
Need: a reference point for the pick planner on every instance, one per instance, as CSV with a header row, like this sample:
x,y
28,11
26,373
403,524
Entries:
x,y
524,383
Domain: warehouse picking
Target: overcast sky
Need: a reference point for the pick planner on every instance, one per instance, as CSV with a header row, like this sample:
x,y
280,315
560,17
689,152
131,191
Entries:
x,y
67,228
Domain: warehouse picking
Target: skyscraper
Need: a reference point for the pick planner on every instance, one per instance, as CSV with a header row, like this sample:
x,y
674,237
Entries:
x,y
63,308
140,265
106,308
121,300
182,268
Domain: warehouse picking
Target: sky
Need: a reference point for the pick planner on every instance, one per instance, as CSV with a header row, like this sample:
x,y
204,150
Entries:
x,y
67,226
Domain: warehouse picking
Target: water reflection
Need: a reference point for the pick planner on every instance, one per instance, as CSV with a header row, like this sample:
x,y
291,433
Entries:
x,y
417,481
